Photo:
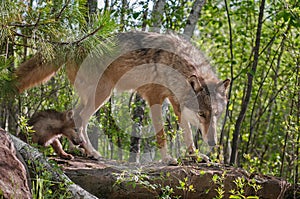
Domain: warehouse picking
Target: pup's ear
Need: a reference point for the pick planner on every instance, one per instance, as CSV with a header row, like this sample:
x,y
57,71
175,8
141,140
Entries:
x,y
223,86
195,83
69,115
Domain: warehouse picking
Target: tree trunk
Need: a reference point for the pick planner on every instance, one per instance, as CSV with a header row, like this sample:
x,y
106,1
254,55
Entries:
x,y
227,147
193,18
123,15
92,6
157,14
138,115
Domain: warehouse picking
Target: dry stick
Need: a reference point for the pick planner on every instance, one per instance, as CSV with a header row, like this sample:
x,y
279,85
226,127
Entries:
x,y
32,154
250,75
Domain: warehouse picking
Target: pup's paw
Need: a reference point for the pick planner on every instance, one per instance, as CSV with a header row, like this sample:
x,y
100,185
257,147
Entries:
x,y
66,156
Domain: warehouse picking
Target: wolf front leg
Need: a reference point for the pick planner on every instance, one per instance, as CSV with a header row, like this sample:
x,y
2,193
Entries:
x,y
187,132
59,150
91,100
90,151
156,115
187,136
82,115
188,139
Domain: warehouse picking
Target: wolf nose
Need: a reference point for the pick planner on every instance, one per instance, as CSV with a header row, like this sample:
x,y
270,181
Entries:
x,y
211,143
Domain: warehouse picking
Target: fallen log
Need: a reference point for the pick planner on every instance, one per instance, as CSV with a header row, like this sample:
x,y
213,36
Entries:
x,y
113,179
31,154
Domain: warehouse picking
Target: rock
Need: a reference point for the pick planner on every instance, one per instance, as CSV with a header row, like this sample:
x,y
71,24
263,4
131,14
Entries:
x,y
13,180
154,180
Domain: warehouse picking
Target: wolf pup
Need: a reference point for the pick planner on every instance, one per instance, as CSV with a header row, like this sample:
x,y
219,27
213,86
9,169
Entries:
x,y
158,67
50,125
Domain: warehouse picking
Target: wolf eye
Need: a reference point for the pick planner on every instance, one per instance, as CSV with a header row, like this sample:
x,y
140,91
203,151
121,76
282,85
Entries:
x,y
201,114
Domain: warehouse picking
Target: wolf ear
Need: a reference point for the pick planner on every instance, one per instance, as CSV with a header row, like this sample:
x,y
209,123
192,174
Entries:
x,y
194,82
69,115
222,86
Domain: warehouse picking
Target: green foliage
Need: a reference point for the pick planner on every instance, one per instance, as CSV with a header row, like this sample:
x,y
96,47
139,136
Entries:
x,y
5,77
275,81
43,187
219,181
54,27
25,129
185,186
159,184
239,192
134,178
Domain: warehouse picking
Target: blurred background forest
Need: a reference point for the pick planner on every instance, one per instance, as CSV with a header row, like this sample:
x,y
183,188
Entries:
x,y
254,43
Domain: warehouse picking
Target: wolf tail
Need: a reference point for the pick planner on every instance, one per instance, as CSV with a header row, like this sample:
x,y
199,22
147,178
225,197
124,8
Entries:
x,y
33,72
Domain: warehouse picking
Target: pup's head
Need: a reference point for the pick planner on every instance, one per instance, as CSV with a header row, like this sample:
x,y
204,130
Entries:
x,y
205,107
69,129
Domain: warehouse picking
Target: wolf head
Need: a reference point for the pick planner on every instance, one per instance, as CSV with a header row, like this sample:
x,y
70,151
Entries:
x,y
205,107
69,128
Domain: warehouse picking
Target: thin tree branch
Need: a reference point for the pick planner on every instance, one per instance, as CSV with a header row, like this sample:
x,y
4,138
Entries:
x,y
246,99
231,71
62,10
280,50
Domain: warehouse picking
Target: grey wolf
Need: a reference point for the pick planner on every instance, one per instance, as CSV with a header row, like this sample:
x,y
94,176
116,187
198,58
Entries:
x,y
157,66
50,125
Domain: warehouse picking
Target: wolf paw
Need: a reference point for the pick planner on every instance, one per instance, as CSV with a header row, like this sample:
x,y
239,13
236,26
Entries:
x,y
95,156
67,156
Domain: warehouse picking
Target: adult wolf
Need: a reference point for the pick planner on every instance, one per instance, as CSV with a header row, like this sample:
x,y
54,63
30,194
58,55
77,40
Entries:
x,y
157,66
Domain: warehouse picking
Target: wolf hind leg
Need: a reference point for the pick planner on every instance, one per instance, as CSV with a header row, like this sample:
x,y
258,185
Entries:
x,y
59,150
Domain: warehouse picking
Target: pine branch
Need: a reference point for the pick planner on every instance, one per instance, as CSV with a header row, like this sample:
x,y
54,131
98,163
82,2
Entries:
x,y
62,10
63,43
